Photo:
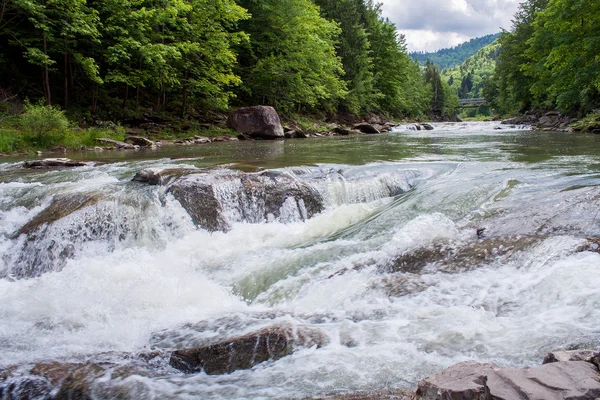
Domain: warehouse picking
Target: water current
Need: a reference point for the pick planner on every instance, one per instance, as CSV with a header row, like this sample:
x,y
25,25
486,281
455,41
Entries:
x,y
474,241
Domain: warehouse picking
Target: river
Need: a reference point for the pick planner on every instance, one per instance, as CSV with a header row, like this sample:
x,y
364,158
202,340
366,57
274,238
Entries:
x,y
474,241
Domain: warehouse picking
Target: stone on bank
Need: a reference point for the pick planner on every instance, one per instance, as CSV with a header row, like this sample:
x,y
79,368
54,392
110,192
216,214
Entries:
x,y
259,122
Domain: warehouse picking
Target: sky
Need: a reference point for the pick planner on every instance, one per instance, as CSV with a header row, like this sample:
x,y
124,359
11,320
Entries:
x,y
430,25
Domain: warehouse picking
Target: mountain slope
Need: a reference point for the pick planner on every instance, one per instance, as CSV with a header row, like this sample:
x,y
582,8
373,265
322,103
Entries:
x,y
468,79
451,57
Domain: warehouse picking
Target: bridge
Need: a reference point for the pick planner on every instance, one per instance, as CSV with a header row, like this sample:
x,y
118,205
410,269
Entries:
x,y
473,103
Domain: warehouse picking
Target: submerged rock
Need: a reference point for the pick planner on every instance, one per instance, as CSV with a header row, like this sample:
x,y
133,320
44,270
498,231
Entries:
x,y
87,380
215,201
427,127
260,122
573,380
55,163
389,394
246,351
61,206
158,176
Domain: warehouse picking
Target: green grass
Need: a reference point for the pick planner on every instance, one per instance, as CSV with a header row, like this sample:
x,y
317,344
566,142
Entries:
x,y
12,140
588,124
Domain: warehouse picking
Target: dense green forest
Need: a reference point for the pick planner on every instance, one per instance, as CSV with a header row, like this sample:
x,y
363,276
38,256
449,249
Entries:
x,y
549,60
455,56
468,80
112,59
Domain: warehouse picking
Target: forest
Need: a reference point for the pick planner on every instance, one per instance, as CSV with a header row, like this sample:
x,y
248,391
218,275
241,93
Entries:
x,y
454,56
112,59
549,60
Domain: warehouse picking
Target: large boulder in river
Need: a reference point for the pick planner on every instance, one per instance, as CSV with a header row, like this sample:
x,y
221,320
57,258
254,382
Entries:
x,y
215,201
573,380
259,122
246,351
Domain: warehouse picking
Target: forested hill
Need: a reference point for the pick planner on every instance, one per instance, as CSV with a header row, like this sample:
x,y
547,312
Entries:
x,y
549,59
469,78
116,59
452,57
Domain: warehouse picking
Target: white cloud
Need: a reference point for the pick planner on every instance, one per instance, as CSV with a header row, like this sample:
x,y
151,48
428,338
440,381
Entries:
x,y
425,40
433,24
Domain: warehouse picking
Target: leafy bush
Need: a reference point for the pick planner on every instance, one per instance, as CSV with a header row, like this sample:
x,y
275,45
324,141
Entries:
x,y
40,120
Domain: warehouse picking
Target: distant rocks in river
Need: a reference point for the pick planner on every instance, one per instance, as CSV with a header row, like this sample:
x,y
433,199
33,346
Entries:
x,y
259,122
50,163
118,145
140,141
246,351
565,379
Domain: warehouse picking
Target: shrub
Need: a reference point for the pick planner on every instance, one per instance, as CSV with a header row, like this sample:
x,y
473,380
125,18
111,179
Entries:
x,y
39,120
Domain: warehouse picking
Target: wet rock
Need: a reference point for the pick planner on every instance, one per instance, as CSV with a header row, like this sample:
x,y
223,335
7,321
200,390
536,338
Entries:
x,y
118,145
89,380
521,120
295,134
427,127
260,122
157,176
341,131
55,163
573,380
591,356
246,351
61,206
390,394
140,141
464,257
251,198
367,128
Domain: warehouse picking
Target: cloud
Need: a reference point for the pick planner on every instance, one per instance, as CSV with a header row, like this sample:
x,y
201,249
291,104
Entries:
x,y
433,24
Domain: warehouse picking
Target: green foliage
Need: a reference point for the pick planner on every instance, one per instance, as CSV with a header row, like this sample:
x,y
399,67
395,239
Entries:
x,y
469,79
40,120
114,59
588,123
354,49
550,59
292,62
455,56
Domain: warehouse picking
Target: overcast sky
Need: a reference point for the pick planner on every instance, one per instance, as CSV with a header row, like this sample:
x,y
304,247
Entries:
x,y
435,24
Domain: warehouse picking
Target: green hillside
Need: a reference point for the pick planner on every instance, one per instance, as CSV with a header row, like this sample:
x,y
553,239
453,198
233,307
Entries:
x,y
469,78
451,57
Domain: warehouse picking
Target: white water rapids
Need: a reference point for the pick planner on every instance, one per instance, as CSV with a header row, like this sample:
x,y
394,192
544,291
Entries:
x,y
140,265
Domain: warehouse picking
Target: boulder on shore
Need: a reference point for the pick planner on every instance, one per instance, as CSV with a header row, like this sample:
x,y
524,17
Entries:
x,y
118,145
55,163
246,351
572,380
367,128
140,141
259,122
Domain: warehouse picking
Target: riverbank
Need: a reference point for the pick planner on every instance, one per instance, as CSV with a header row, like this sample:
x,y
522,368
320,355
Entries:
x,y
147,130
554,121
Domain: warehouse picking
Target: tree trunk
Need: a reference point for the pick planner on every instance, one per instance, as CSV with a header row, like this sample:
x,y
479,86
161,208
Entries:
x,y
185,95
46,74
66,78
126,95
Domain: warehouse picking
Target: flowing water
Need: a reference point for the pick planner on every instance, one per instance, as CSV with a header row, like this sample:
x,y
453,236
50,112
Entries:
x,y
393,269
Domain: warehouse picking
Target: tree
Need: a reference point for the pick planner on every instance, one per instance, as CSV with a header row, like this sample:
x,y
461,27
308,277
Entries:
x,y
354,49
291,62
